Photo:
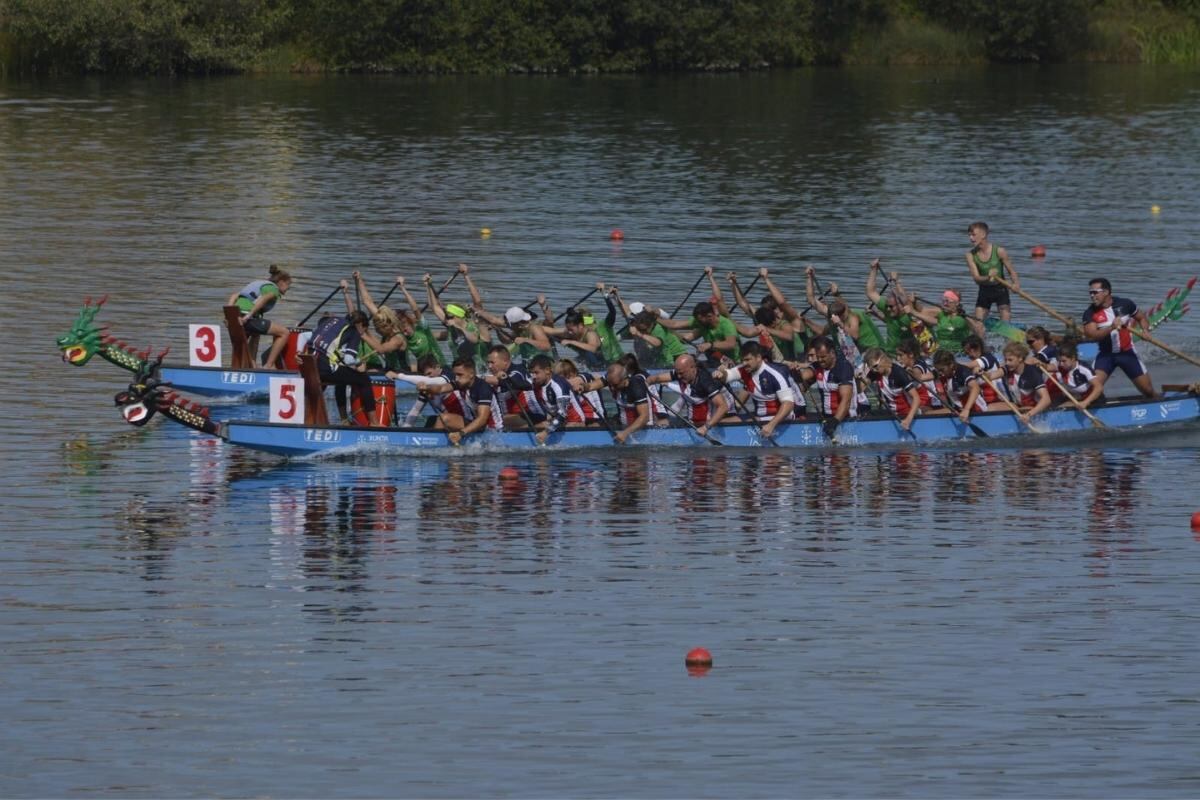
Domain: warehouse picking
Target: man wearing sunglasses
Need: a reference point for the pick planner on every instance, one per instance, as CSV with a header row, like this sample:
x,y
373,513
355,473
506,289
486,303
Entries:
x,y
1107,322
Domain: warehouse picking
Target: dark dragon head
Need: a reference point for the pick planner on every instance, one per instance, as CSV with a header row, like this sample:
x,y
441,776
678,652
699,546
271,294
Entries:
x,y
147,396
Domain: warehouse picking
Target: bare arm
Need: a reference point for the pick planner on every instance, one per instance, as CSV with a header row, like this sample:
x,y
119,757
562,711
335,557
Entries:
x,y
408,298
975,275
721,306
1008,265
361,287
872,293
350,309
476,297
777,296
738,297
810,292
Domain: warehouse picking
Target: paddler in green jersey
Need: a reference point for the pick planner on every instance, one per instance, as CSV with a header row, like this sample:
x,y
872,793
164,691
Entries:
x,y
660,345
774,334
717,333
987,261
391,345
421,340
853,330
468,338
950,324
592,340
890,309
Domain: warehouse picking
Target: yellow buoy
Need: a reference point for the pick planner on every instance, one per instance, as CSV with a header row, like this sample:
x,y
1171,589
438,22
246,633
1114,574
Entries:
x,y
1155,209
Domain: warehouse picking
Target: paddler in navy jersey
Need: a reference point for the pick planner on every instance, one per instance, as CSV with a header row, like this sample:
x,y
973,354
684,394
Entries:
x,y
476,399
553,399
705,401
958,386
1108,321
1077,378
592,402
898,389
1024,383
631,393
833,377
513,389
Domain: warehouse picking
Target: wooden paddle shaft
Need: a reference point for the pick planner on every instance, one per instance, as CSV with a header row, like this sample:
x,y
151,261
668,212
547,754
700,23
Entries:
x,y
1071,323
1071,396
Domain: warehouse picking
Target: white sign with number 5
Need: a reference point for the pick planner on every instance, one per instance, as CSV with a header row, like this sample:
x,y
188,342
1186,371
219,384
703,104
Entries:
x,y
204,346
287,400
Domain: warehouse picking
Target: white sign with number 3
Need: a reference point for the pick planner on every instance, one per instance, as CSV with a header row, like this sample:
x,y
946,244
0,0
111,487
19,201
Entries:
x,y
204,346
287,400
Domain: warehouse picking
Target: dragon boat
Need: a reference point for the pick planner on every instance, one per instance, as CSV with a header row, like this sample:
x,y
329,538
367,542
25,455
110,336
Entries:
x,y
147,395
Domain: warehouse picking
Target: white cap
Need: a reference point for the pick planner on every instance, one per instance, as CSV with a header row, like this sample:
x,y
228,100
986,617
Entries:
x,y
637,308
515,315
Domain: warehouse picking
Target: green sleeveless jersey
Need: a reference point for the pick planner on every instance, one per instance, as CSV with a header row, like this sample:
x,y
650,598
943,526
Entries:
x,y
993,266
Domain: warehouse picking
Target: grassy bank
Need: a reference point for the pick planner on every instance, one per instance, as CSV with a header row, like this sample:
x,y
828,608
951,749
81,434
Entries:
x,y
566,36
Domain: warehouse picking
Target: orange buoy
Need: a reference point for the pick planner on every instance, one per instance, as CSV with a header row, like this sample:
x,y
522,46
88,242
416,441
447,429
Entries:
x,y
1196,521
698,657
616,235
1038,251
509,474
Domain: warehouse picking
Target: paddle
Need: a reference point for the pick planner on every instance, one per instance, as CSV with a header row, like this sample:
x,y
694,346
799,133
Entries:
x,y
520,407
688,422
691,291
320,305
1071,396
1003,395
1072,324
438,293
578,302
975,429
1193,388
741,410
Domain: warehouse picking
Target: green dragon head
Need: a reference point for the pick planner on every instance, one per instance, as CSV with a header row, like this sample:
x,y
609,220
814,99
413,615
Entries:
x,y
85,338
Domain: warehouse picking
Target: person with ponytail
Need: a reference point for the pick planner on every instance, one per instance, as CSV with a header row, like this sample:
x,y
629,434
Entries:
x,y
254,300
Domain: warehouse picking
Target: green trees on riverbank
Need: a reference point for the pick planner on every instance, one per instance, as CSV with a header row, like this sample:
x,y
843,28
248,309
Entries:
x,y
197,36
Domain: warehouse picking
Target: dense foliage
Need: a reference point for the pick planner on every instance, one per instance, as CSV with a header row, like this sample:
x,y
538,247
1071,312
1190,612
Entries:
x,y
173,36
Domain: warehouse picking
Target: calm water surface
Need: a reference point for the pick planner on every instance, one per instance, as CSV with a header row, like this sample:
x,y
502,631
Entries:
x,y
181,619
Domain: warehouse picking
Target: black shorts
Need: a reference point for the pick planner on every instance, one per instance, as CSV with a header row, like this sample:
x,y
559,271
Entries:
x,y
256,326
992,293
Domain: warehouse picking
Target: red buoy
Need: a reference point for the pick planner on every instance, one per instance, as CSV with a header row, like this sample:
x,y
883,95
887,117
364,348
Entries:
x,y
1038,251
616,235
509,474
1196,521
698,657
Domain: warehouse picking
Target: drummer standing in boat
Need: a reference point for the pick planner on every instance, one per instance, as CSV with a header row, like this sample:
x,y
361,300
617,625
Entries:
x,y
1107,321
987,261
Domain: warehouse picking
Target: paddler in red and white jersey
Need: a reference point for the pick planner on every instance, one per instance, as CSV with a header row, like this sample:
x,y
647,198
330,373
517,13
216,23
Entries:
x,y
767,388
908,355
429,373
1107,321
705,401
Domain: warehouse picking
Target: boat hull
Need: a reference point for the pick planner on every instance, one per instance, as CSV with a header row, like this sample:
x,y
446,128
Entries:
x,y
298,440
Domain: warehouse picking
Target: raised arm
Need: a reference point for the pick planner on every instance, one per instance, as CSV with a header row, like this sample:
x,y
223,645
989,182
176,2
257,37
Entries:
x,y
545,306
873,273
361,287
788,310
350,309
810,291
720,305
740,298
408,298
476,297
